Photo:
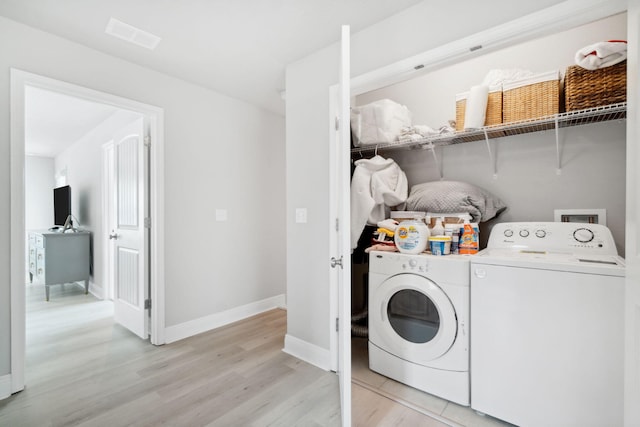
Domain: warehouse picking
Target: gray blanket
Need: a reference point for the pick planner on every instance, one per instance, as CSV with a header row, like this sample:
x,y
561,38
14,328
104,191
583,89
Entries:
x,y
454,196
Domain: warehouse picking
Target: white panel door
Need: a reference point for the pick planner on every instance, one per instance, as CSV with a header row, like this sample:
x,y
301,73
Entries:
x,y
341,259
130,234
632,290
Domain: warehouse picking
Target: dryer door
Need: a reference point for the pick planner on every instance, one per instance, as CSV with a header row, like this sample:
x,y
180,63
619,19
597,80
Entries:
x,y
412,318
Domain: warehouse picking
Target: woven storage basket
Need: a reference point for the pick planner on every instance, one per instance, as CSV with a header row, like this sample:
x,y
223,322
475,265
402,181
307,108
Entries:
x,y
594,88
493,115
531,98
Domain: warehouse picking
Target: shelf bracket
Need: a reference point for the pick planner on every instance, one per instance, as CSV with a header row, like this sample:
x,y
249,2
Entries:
x,y
559,164
492,156
432,148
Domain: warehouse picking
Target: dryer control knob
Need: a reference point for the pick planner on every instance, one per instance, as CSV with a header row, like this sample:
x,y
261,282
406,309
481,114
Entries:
x,y
413,263
583,235
508,233
541,233
524,233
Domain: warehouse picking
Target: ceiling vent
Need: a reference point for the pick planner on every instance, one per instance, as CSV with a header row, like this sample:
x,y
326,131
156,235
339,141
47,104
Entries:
x,y
132,34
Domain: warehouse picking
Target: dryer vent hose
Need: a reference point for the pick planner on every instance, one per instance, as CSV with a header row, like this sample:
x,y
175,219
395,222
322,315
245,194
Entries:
x,y
357,328
360,316
359,331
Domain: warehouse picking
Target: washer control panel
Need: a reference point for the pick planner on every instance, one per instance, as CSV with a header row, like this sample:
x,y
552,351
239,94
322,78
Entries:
x,y
553,236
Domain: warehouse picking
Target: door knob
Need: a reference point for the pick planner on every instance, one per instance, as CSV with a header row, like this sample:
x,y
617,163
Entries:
x,y
113,236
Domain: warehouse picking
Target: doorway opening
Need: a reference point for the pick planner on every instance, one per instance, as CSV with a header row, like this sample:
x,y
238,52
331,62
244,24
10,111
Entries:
x,y
21,83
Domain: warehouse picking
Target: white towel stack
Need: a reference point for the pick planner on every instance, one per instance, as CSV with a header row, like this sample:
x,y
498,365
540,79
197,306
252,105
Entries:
x,y
602,54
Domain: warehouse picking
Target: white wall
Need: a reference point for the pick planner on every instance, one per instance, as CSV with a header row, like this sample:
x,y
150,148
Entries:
x,y
38,196
82,162
593,157
219,153
419,29
39,182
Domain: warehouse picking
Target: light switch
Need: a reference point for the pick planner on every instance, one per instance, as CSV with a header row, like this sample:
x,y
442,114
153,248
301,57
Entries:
x,y
301,215
221,215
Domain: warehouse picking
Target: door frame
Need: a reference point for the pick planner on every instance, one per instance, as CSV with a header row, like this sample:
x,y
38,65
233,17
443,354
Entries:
x,y
107,217
19,80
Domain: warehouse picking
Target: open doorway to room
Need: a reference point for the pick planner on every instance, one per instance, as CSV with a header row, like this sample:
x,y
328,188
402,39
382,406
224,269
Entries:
x,y
58,136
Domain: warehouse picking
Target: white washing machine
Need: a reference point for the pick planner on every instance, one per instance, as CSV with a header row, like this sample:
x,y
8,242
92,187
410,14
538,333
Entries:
x,y
547,325
418,321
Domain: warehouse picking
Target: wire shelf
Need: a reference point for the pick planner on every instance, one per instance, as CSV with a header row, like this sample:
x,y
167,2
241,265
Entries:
x,y
561,120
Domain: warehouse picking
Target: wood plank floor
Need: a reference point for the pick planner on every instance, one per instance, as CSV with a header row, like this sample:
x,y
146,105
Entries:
x,y
84,370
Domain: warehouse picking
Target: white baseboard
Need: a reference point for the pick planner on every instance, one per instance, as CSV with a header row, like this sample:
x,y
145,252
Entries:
x,y
207,323
96,290
311,353
5,386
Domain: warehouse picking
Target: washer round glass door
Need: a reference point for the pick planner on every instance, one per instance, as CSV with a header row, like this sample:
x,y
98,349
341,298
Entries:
x,y
412,318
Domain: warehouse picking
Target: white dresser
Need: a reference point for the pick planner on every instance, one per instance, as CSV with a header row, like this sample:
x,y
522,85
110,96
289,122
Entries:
x,y
57,258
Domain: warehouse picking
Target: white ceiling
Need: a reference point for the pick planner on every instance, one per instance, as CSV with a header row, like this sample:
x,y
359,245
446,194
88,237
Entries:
x,y
54,121
236,47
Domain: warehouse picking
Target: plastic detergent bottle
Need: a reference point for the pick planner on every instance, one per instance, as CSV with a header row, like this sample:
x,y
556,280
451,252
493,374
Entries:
x,y
438,229
453,231
469,240
411,237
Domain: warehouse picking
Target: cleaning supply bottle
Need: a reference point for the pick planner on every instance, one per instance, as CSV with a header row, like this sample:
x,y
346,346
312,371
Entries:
x,y
438,229
469,244
453,231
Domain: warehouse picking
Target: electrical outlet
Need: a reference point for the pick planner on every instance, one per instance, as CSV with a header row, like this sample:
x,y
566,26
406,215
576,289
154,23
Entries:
x,y
301,215
221,215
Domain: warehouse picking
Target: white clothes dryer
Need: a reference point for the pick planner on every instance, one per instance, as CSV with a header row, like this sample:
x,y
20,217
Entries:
x,y
418,321
547,313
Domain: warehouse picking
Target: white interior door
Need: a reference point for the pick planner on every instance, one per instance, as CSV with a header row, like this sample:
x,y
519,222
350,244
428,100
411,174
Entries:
x,y
130,234
341,260
632,290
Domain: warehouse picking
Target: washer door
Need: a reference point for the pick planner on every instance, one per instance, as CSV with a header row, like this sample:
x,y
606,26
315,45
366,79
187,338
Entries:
x,y
412,318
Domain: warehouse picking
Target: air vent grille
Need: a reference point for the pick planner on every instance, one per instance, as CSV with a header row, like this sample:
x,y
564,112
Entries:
x,y
132,34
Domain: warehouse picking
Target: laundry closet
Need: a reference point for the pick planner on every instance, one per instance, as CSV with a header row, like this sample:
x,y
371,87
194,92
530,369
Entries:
x,y
534,170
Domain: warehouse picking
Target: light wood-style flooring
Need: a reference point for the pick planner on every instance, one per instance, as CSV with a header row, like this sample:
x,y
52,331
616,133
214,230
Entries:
x,y
85,370
82,369
441,409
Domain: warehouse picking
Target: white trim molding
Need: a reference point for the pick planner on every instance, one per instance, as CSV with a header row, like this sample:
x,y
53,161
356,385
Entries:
x,y
5,386
310,353
213,321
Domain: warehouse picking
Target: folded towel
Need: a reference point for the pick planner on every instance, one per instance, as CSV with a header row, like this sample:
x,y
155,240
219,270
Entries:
x,y
476,107
602,54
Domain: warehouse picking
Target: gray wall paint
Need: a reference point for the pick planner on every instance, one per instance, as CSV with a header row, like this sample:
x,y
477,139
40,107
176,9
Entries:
x,y
593,173
418,29
592,157
219,153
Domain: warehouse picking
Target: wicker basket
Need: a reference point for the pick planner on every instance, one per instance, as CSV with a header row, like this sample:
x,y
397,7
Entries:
x,y
594,88
532,98
493,115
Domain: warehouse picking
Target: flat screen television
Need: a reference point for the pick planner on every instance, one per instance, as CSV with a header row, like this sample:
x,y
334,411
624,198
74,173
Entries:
x,y
61,204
